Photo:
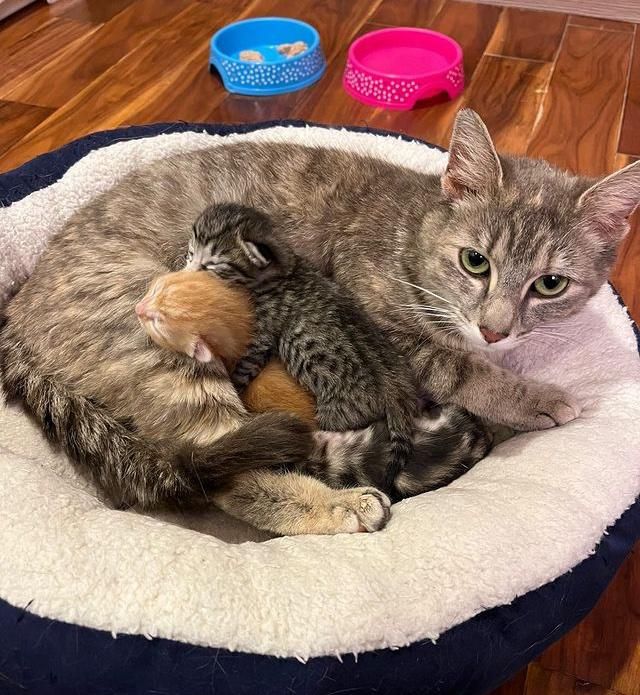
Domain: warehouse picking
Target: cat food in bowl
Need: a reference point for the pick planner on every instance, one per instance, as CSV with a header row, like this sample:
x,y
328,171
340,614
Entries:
x,y
267,55
394,68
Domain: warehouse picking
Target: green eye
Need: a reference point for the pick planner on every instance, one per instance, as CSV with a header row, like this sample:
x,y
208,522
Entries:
x,y
474,262
550,285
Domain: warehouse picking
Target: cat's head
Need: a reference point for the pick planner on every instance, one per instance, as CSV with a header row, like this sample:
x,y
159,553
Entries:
x,y
517,245
235,242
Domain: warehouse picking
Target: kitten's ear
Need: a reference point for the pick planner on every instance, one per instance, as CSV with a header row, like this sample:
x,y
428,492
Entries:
x,y
474,166
258,254
608,203
201,351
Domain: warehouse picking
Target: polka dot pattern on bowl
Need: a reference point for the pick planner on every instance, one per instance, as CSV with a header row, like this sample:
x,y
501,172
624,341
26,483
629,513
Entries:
x,y
456,76
268,74
380,88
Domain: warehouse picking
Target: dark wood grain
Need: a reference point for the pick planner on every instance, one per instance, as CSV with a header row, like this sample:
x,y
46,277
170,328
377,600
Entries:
x,y
336,20
581,111
149,74
93,11
541,681
630,132
507,93
16,120
20,54
410,13
471,25
527,34
73,68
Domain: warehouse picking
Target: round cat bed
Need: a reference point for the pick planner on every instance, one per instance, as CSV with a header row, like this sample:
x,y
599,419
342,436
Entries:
x,y
464,586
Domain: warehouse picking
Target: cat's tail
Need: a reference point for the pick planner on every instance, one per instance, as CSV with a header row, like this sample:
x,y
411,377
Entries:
x,y
132,471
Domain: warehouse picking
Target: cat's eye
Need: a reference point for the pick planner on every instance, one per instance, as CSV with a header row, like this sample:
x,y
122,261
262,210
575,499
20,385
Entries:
x,y
474,262
550,285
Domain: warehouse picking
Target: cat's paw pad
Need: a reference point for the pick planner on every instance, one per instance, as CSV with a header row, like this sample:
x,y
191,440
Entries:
x,y
362,510
550,406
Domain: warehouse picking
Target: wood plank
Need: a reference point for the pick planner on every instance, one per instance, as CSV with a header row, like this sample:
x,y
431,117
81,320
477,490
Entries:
x,y
541,681
507,93
148,74
528,34
630,131
407,13
58,80
581,111
16,120
471,25
15,27
25,51
605,648
91,11
600,23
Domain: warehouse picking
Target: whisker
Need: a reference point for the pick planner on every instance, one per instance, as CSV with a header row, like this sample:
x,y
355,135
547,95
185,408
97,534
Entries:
x,y
422,289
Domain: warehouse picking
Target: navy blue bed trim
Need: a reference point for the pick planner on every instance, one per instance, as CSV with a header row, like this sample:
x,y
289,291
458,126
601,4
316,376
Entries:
x,y
43,656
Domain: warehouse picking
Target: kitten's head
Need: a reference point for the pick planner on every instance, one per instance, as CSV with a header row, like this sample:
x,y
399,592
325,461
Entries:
x,y
517,245
236,243
198,315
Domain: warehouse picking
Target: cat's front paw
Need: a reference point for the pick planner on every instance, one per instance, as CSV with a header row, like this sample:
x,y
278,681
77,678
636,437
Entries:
x,y
544,406
361,510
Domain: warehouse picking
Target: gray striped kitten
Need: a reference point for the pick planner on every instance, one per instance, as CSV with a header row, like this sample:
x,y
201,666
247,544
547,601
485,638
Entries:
x,y
318,331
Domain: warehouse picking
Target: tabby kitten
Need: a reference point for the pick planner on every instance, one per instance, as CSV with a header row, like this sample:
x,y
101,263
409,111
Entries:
x,y
325,341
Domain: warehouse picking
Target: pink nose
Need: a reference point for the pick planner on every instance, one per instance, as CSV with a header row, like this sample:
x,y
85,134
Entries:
x,y
491,336
141,309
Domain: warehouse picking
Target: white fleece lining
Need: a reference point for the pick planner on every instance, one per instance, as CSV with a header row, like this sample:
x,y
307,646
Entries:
x,y
533,509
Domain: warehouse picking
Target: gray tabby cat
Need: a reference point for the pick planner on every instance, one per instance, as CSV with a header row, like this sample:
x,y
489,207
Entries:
x,y
317,330
73,353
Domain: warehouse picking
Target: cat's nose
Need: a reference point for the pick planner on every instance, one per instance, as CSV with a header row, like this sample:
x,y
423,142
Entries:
x,y
492,336
141,309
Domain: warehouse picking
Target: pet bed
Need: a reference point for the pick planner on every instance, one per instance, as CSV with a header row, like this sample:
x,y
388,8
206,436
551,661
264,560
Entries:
x,y
465,585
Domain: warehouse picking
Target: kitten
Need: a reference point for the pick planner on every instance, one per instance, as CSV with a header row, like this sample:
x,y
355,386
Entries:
x,y
207,319
325,341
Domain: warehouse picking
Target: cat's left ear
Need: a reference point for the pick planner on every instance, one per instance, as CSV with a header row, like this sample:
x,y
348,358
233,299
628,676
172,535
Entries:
x,y
201,351
608,203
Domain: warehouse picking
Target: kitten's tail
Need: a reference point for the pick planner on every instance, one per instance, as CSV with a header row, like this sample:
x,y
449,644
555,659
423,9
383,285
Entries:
x,y
132,471
400,427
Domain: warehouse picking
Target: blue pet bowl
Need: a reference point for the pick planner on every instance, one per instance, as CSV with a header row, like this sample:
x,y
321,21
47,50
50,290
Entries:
x,y
277,74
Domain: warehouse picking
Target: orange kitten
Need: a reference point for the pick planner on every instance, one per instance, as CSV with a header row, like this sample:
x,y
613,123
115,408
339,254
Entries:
x,y
202,316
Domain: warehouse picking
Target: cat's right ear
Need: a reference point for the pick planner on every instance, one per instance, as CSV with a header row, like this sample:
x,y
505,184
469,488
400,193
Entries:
x,y
258,254
474,167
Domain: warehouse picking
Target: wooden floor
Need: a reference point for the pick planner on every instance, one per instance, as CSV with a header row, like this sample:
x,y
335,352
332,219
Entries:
x,y
551,85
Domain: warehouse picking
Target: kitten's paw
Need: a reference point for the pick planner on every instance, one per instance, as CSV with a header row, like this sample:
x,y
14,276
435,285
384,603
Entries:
x,y
545,406
361,510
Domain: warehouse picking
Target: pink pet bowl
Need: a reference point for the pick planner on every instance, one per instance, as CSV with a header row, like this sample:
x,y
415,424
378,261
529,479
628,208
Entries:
x,y
395,68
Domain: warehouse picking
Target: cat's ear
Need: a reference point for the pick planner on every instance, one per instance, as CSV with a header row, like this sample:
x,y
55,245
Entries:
x,y
608,203
258,254
474,166
201,351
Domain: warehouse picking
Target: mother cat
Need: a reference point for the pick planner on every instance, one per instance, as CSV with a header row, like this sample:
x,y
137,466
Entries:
x,y
453,268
